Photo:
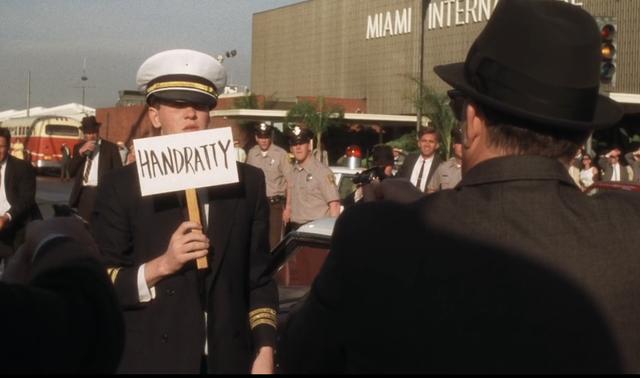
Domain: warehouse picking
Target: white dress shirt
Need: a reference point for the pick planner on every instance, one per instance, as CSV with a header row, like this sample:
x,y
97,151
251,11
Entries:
x,y
4,202
425,173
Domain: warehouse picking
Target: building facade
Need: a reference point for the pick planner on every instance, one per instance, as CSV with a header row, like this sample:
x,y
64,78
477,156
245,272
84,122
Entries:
x,y
370,49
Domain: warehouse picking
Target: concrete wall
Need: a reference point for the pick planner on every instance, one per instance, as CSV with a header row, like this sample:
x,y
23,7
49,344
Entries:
x,y
319,48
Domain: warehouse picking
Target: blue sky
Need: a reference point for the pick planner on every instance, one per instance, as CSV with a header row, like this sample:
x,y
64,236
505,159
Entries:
x,y
51,38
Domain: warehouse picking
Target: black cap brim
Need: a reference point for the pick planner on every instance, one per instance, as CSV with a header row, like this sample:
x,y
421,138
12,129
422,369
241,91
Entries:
x,y
185,96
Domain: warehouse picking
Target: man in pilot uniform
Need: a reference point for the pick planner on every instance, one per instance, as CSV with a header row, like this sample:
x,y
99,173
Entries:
x,y
179,319
312,188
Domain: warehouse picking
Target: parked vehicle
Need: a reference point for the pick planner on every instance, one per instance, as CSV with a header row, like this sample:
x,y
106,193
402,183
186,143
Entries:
x,y
298,259
42,138
600,186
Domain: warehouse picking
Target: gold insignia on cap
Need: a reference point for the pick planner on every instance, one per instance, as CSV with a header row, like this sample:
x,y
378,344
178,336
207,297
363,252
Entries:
x,y
264,315
182,84
297,131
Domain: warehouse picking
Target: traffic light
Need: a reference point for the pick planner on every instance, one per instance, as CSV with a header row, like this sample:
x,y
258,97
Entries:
x,y
608,48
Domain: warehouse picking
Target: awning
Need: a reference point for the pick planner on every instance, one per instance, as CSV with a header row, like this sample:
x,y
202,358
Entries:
x,y
280,116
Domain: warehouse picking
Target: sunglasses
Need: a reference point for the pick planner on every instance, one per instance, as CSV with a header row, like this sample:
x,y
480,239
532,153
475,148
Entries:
x,y
458,103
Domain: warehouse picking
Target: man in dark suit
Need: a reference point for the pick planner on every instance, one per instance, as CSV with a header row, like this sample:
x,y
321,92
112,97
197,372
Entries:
x,y
523,116
612,168
91,160
419,168
60,313
17,197
179,319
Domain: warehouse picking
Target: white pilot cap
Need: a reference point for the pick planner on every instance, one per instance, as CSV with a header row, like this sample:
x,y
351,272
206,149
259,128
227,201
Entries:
x,y
183,76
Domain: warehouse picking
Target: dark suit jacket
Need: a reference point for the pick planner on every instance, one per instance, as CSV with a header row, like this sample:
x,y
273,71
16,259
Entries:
x,y
635,166
109,159
20,183
531,206
395,296
167,334
607,170
407,167
64,318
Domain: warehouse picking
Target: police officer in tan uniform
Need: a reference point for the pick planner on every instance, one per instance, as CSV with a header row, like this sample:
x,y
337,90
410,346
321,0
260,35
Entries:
x,y
312,188
274,162
449,173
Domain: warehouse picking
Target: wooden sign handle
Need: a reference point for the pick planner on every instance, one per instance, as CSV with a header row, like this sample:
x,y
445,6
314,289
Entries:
x,y
194,216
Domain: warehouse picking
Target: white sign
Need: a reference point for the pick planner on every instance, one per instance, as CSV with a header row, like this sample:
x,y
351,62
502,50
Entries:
x,y
448,13
389,23
176,162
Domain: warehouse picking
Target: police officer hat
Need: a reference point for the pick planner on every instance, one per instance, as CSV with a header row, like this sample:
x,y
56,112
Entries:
x,y
90,125
182,76
263,130
299,135
551,79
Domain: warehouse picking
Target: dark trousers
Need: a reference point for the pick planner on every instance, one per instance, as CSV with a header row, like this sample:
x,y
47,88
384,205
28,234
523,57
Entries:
x,y
275,223
87,201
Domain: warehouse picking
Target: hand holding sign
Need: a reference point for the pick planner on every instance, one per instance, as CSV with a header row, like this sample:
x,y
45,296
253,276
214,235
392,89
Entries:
x,y
186,162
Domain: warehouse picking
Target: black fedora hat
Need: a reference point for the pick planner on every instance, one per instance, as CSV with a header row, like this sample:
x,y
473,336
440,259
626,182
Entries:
x,y
90,124
537,60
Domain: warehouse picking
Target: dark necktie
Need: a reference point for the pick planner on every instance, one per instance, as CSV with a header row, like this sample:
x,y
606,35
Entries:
x,y
420,175
87,169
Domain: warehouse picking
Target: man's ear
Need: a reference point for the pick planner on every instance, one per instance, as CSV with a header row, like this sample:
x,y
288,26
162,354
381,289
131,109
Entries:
x,y
476,125
154,117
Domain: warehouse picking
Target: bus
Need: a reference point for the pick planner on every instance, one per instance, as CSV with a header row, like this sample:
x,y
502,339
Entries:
x,y
41,138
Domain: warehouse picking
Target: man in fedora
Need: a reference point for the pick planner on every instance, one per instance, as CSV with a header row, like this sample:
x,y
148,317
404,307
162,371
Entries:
x,y
91,160
474,296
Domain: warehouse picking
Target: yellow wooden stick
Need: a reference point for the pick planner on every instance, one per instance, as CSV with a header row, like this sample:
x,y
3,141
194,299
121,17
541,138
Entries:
x,y
194,216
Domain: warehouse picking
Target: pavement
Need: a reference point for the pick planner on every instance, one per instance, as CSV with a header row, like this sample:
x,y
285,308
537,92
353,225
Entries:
x,y
50,190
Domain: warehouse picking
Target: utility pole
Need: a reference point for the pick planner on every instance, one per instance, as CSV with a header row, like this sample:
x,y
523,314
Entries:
x,y
424,5
84,78
28,93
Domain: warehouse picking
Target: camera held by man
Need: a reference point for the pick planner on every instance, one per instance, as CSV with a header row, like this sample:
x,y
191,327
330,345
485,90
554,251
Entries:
x,y
381,167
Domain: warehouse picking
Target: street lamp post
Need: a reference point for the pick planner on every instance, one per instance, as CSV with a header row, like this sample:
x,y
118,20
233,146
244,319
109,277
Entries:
x,y
228,54
424,5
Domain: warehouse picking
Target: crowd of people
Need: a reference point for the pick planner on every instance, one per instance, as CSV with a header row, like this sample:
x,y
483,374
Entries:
x,y
504,267
611,166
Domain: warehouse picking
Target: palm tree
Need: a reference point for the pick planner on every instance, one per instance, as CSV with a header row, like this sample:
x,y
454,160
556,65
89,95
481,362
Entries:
x,y
318,117
435,106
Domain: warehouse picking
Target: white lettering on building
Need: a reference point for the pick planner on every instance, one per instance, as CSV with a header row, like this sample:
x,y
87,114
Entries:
x,y
447,13
387,24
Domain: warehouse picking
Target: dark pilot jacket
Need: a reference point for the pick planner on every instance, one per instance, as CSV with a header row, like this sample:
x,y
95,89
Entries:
x,y
167,334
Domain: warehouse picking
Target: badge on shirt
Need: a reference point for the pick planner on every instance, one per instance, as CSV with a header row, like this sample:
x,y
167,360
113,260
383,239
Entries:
x,y
272,162
309,177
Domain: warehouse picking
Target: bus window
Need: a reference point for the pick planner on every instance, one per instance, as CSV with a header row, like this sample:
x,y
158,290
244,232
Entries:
x,y
62,130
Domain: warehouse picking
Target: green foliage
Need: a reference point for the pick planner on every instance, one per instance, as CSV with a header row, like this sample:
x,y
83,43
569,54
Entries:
x,y
407,142
318,117
435,106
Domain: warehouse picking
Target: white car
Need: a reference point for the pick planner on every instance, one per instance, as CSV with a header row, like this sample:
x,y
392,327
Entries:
x,y
344,180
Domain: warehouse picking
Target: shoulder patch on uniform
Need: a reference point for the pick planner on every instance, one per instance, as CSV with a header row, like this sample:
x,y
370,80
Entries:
x,y
331,178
